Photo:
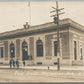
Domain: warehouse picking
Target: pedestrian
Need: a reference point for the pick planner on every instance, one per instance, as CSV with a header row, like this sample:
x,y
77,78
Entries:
x,y
13,63
24,63
48,67
10,63
17,63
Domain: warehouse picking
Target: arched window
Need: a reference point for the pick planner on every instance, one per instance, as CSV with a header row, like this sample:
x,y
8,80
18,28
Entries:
x,y
12,50
39,45
24,51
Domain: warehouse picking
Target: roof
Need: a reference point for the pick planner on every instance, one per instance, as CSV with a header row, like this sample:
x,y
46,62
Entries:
x,y
41,27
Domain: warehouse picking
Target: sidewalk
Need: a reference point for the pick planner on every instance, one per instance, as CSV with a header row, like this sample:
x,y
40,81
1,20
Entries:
x,y
55,67
50,67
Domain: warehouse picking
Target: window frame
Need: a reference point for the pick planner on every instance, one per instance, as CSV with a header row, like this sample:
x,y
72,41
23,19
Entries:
x,y
1,52
39,48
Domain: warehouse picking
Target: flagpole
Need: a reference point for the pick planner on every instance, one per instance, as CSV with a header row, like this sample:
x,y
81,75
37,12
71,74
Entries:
x,y
29,6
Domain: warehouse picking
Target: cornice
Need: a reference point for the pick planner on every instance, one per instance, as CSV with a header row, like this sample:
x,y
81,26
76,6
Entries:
x,y
43,27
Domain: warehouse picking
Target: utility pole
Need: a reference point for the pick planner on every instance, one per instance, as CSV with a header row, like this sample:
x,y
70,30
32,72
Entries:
x,y
56,21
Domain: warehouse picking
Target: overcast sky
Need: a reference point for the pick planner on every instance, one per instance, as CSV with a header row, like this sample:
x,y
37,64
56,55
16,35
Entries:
x,y
14,14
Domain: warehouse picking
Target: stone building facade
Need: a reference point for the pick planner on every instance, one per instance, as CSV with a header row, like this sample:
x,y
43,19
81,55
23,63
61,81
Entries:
x,y
37,45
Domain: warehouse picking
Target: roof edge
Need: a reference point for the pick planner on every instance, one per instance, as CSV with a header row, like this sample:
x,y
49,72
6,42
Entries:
x,y
46,25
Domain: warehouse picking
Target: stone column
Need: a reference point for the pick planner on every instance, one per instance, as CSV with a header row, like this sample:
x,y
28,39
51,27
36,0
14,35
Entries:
x,y
21,50
48,46
18,48
31,46
9,50
5,50
14,42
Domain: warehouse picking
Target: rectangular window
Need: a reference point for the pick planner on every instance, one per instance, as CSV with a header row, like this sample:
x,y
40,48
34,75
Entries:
x,y
55,48
1,52
55,63
75,50
39,63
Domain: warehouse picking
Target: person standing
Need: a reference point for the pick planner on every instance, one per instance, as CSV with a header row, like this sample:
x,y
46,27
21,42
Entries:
x,y
10,63
24,63
48,67
17,63
13,63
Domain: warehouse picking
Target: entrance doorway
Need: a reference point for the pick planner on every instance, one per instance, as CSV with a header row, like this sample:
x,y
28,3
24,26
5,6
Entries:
x,y
12,50
24,51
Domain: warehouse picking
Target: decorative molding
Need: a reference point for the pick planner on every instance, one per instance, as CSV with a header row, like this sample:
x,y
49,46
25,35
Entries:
x,y
43,27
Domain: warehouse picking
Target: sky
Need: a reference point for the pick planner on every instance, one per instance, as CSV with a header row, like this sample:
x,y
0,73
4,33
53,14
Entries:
x,y
13,15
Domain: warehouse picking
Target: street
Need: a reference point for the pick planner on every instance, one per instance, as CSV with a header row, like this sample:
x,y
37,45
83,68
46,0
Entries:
x,y
28,75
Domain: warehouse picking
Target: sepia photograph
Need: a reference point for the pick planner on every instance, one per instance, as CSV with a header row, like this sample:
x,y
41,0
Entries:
x,y
41,41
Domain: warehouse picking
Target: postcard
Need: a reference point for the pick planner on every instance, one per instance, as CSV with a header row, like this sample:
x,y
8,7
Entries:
x,y
41,41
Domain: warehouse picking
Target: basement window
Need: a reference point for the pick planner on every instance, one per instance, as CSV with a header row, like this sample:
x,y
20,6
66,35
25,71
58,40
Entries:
x,y
39,63
55,63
